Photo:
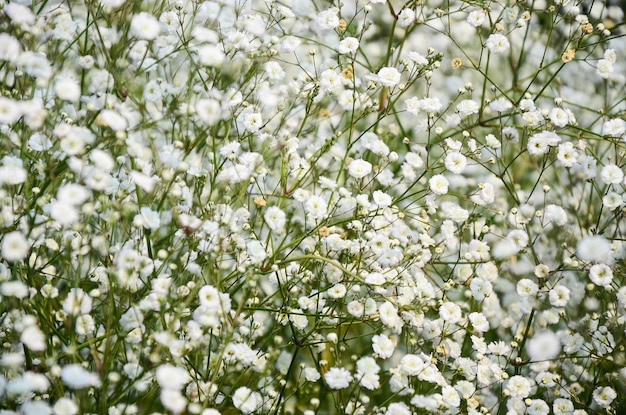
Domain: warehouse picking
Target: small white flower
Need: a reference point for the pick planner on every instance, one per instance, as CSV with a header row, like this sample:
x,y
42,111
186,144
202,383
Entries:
x,y
412,365
274,71
172,377
65,406
388,76
381,199
450,312
497,43
349,45
438,184
14,246
316,207
519,387
359,168
77,377
67,89
467,107
406,17
256,251
275,219
543,346
476,18
34,338
559,296
455,162
383,346
612,174
328,19
145,26
338,378
527,288
615,127
601,275
593,248
604,396
246,400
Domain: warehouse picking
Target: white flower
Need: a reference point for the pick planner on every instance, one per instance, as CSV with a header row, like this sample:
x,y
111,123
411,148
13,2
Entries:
x,y
274,71
615,127
35,408
77,377
145,26
15,289
593,248
601,274
567,154
246,400
256,251
476,18
555,214
604,396
338,378
450,312
65,406
77,302
527,288
359,168
9,111
148,219
412,365
388,76
604,68
67,89
210,55
431,104
328,19
398,408
438,184
519,387
501,105
455,162
337,291
479,322
612,174
209,111
311,374
14,246
558,117
9,47
172,377
348,45
562,407
173,400
316,207
383,346
497,43
111,119
543,346
540,143
612,200
559,296
251,121
33,338
381,199
389,316
275,219
330,81
480,288
467,107
406,17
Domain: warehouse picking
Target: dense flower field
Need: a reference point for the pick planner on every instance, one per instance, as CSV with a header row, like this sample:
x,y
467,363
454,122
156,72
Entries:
x,y
312,207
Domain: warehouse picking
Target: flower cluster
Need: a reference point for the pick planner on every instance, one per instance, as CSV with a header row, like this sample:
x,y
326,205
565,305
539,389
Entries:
x,y
312,207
